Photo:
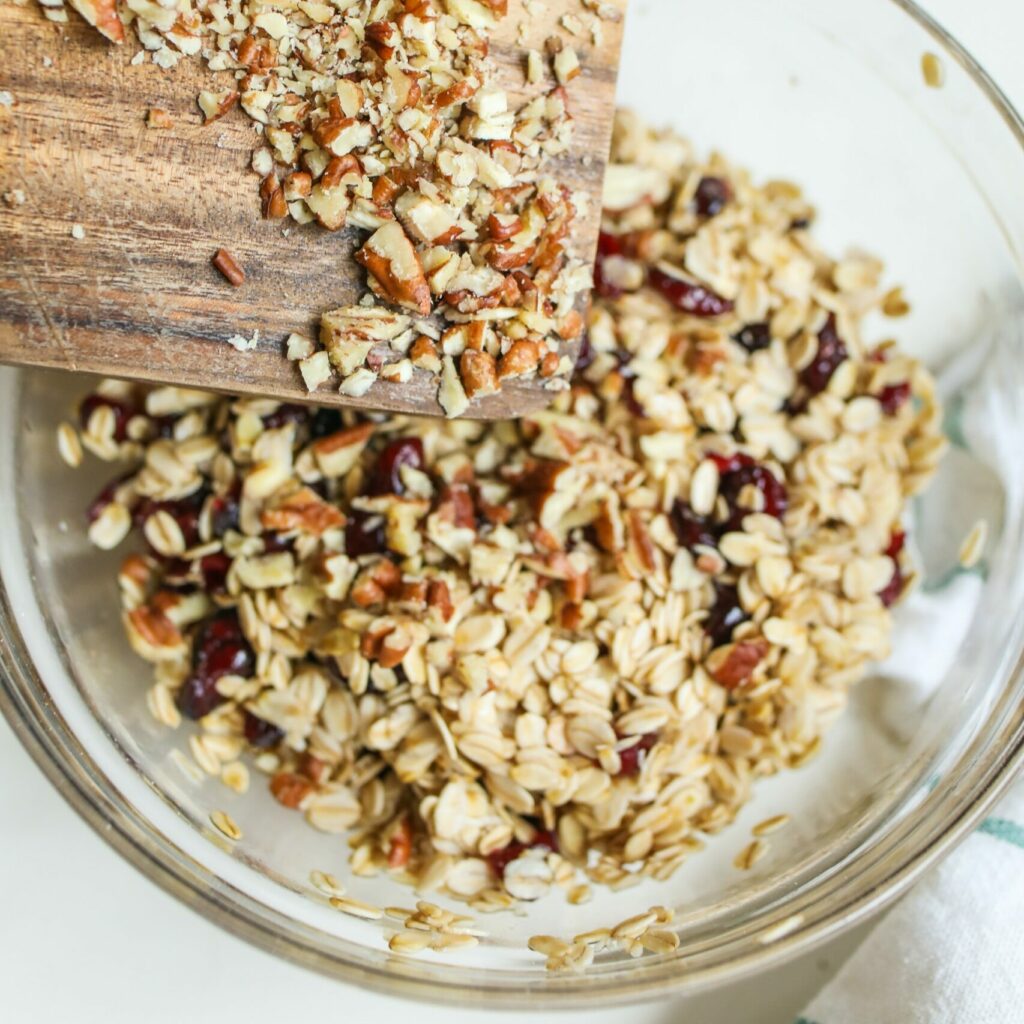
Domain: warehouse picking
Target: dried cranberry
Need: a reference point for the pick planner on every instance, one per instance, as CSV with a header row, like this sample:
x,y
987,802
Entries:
x,y
104,498
690,297
287,412
892,590
219,649
273,542
607,245
122,411
261,733
224,513
711,196
897,539
163,426
893,397
364,534
324,423
831,352
631,759
387,476
730,463
630,401
690,528
739,470
889,594
184,511
500,859
725,615
214,569
585,356
754,337
774,493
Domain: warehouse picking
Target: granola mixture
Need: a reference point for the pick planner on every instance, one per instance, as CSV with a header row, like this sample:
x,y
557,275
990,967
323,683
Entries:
x,y
385,115
506,656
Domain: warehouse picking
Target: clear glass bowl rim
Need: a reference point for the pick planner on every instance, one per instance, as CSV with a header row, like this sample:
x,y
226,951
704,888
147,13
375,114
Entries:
x,y
830,906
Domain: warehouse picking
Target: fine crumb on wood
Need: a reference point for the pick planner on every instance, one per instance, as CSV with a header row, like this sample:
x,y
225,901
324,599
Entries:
x,y
244,344
156,117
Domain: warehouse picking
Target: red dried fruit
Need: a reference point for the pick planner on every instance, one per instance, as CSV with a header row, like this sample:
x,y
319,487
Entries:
x,y
273,542
214,569
631,760
287,412
324,423
831,353
364,534
774,493
894,397
690,528
105,497
224,512
607,245
219,649
261,733
897,539
387,476
890,593
500,859
690,297
184,511
754,337
725,615
711,196
122,411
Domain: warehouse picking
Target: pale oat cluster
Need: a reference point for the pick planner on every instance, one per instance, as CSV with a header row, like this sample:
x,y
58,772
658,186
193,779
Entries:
x,y
517,656
385,115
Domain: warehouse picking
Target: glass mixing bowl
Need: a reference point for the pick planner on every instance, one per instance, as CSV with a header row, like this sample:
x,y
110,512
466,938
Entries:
x,y
826,92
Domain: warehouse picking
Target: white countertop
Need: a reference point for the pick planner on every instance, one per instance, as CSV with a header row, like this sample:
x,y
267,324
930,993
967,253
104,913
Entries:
x,y
84,937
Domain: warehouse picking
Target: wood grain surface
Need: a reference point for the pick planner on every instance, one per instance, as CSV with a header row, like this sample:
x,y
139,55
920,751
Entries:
x,y
137,297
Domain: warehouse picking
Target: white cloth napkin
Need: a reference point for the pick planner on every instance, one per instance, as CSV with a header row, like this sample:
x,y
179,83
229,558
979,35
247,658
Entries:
x,y
952,951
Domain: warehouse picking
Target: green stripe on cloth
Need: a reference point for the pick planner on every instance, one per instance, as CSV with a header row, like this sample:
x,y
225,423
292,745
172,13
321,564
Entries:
x,y
804,1020
1004,829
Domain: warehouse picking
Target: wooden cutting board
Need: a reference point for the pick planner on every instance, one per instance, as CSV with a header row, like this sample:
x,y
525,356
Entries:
x,y
136,296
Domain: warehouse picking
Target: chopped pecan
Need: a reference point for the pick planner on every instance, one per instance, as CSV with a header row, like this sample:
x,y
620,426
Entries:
x,y
424,354
303,510
394,266
272,196
228,266
549,364
456,506
385,191
158,118
103,16
440,599
479,375
733,664
341,170
522,357
290,788
337,453
297,185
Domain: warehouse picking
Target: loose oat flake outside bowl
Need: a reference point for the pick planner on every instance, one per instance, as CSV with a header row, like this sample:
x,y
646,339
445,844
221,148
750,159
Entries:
x,y
842,107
